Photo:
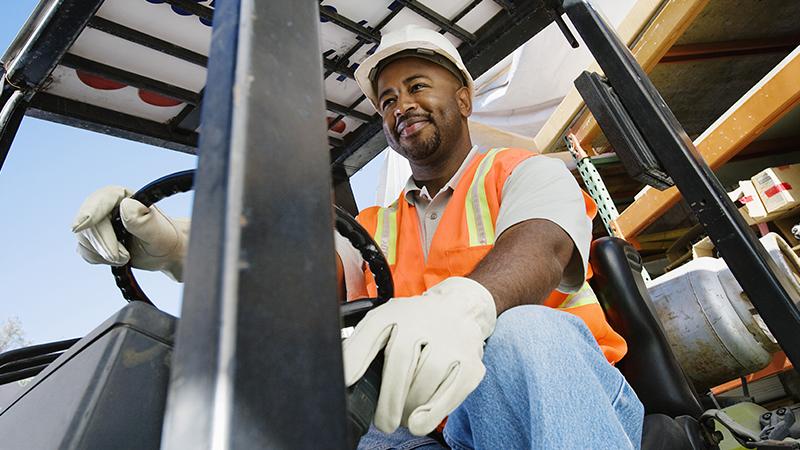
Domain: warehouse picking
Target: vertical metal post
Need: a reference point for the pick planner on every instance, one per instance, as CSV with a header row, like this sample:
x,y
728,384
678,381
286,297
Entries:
x,y
257,362
12,107
343,191
758,275
33,55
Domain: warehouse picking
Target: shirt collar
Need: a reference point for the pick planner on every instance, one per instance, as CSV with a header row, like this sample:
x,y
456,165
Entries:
x,y
412,189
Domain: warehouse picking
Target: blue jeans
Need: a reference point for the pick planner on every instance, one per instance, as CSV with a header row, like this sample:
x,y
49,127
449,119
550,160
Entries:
x,y
547,386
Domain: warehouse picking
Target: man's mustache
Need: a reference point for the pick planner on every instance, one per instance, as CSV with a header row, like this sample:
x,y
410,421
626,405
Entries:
x,y
406,117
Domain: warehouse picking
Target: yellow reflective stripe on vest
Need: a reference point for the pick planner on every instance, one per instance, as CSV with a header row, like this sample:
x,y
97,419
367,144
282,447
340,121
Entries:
x,y
386,232
479,216
584,296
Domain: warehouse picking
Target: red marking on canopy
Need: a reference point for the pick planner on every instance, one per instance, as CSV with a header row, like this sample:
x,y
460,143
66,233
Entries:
x,y
154,99
338,127
96,82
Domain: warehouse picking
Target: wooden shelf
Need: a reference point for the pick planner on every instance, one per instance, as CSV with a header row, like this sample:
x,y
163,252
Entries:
x,y
761,107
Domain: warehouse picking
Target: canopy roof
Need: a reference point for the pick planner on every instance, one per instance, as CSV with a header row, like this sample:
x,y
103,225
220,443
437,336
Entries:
x,y
137,68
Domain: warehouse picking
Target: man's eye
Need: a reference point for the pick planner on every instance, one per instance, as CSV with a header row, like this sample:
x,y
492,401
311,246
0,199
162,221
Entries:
x,y
386,103
417,87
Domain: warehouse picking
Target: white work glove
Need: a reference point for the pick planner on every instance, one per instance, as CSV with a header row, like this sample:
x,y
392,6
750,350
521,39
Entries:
x,y
158,241
433,350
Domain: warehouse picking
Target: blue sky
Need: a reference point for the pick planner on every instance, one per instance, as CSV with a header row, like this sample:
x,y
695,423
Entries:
x,y
50,169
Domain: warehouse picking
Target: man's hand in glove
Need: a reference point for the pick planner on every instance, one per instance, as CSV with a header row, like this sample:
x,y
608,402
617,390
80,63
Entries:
x,y
159,242
433,346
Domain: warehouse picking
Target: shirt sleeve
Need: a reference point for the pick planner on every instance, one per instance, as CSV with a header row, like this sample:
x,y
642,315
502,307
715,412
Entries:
x,y
353,265
543,188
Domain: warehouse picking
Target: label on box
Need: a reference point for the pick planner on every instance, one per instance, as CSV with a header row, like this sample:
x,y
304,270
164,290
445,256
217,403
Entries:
x,y
751,200
773,191
775,187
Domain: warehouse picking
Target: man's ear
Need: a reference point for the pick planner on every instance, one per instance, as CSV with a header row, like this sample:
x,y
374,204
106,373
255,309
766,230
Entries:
x,y
464,101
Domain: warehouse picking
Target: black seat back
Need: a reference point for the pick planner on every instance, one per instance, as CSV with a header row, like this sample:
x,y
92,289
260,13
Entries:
x,y
649,366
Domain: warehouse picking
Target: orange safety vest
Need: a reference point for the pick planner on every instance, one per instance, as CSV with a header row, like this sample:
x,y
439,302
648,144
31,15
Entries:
x,y
464,236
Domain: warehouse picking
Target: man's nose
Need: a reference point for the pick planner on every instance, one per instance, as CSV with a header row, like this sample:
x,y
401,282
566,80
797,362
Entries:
x,y
404,105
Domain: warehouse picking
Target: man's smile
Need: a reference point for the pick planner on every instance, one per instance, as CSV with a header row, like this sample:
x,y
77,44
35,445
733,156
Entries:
x,y
411,125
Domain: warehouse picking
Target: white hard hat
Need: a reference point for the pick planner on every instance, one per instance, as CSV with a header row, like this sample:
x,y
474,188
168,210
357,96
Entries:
x,y
411,40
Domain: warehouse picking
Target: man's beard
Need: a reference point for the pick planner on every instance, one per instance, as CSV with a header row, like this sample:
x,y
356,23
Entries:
x,y
421,150
416,149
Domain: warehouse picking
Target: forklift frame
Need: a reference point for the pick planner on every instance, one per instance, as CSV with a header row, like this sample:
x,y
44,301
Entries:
x,y
257,361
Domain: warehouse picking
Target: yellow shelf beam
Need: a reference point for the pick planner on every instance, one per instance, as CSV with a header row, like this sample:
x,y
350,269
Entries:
x,y
763,105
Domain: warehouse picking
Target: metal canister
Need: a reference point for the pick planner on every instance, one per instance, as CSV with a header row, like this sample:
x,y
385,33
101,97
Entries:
x,y
710,324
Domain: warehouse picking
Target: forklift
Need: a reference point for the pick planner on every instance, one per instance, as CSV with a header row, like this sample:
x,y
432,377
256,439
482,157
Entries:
x,y
255,359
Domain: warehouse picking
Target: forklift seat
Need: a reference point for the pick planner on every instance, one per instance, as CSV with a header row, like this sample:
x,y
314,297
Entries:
x,y
650,367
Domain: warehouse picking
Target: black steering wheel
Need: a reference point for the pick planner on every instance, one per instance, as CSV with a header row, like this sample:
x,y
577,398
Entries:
x,y
362,397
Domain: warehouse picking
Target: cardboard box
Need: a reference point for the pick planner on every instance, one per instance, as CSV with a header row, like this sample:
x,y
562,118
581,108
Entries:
x,y
747,194
752,201
778,187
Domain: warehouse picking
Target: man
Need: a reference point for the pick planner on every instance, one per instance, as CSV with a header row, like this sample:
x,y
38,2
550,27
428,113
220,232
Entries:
x,y
477,244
